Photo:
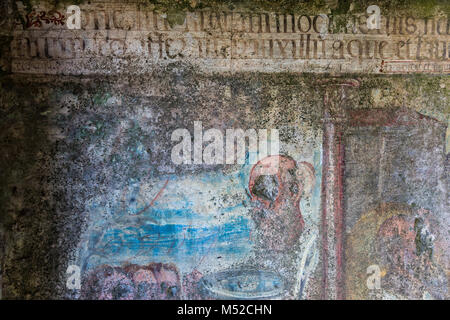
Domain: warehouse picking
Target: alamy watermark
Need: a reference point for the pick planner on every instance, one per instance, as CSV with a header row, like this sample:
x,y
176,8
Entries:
x,y
74,277
74,18
212,147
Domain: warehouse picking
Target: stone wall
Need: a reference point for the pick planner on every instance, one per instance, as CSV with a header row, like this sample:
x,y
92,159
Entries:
x,y
89,179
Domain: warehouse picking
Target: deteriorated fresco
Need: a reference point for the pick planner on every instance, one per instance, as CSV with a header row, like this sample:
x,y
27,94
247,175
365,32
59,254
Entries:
x,y
224,150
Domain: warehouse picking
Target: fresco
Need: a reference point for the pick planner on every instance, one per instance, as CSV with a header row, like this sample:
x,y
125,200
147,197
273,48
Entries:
x,y
352,204
195,235
253,230
187,234
396,215
400,240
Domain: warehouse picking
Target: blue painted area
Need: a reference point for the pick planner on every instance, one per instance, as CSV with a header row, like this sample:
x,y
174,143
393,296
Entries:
x,y
186,225
170,230
177,243
161,239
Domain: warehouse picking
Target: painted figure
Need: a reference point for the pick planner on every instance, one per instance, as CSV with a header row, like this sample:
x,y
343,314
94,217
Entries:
x,y
133,282
399,240
405,246
277,184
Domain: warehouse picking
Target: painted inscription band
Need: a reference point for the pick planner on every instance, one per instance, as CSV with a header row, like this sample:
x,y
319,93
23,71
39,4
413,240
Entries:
x,y
230,41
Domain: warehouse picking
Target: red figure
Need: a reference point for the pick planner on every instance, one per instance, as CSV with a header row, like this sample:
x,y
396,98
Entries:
x,y
277,184
133,282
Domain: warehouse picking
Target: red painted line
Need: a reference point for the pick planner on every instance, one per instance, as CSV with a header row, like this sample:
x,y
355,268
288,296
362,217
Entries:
x,y
339,218
325,170
154,199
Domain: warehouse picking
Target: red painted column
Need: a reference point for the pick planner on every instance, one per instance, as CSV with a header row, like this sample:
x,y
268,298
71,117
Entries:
x,y
336,103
